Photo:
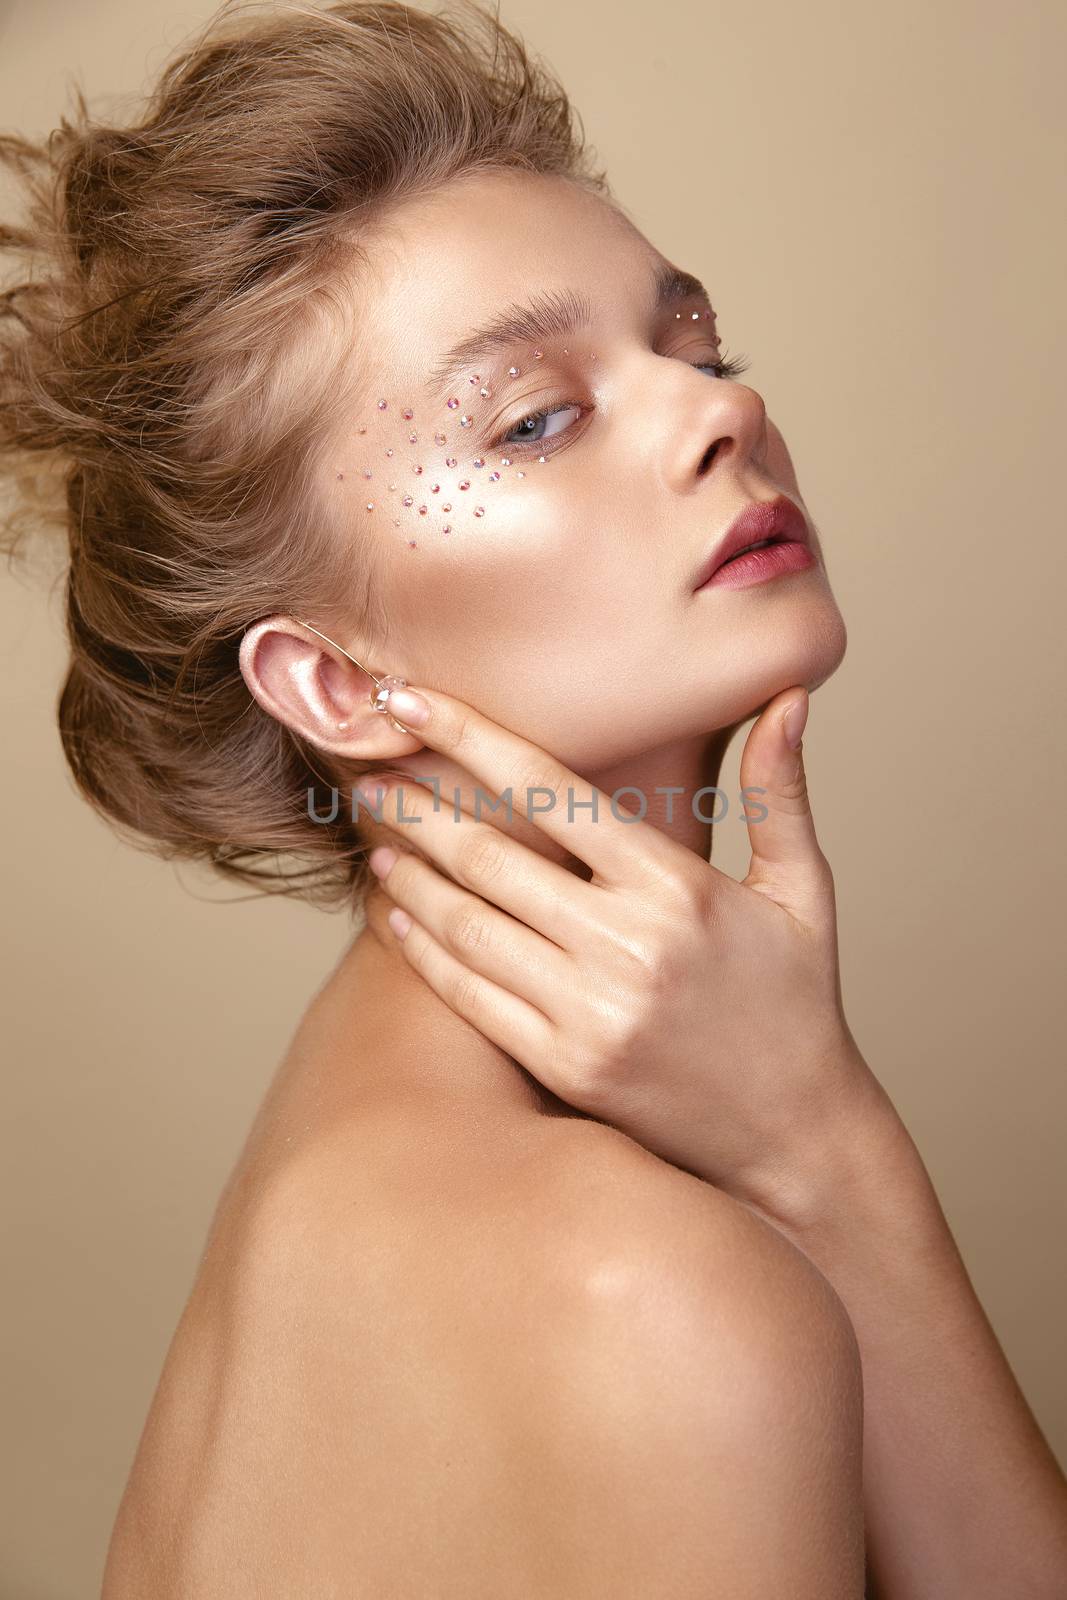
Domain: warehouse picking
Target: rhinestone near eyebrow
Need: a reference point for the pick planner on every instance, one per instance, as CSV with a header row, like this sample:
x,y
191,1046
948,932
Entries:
x,y
389,452
520,474
450,461
361,430
479,461
412,544
407,413
367,473
413,438
407,500
382,404
340,475
447,528
479,511
505,461
439,438
485,391
477,378
417,471
538,355
513,372
453,404
542,459
370,505
392,486
696,316
494,477
465,422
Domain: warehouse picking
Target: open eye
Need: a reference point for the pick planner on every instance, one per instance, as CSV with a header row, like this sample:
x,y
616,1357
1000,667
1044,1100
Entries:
x,y
535,427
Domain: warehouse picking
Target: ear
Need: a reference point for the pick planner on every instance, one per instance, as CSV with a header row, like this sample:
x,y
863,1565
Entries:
x,y
307,685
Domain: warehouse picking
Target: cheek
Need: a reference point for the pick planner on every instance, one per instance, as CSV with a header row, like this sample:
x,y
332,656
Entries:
x,y
779,463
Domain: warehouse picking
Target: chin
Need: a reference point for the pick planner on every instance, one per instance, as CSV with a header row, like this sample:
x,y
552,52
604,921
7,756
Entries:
x,y
807,650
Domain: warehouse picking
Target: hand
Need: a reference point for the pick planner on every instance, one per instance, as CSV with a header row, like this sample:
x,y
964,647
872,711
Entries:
x,y
700,1015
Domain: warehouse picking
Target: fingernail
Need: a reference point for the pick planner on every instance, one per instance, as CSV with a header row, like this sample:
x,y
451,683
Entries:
x,y
381,860
793,722
409,707
399,921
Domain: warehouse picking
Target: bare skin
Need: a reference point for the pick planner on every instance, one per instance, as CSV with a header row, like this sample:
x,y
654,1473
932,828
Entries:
x,y
451,1337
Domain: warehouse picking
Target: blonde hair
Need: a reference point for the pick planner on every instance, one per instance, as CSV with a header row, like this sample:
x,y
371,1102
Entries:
x,y
171,356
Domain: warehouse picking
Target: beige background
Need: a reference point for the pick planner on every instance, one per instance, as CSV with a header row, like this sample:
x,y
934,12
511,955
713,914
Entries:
x,y
873,195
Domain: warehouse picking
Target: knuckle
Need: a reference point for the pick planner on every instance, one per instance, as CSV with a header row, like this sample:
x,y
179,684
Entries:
x,y
481,856
466,929
465,995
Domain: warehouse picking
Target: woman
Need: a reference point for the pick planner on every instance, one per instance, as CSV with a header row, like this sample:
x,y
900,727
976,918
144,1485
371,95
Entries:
x,y
576,1250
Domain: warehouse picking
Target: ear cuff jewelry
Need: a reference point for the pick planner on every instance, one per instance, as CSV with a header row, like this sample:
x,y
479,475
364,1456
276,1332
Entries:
x,y
383,687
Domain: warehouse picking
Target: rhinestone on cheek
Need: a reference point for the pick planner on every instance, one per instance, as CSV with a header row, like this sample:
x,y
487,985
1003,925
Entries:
x,y
370,505
413,438
465,422
538,355
361,430
505,461
392,486
422,511
407,500
340,475
465,484
513,372
447,507
479,511
389,452
407,413
417,471
450,461
382,404
520,474
439,438
453,404
412,545
475,380
447,528
479,461
367,473
494,477
485,391
435,488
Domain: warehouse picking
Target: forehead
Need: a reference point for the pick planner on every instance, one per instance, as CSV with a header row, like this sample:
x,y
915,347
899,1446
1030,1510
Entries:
x,y
438,264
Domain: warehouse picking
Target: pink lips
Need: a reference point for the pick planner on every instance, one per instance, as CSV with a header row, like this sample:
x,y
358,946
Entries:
x,y
780,520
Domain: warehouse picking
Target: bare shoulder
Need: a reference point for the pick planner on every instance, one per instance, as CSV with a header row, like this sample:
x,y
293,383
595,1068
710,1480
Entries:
x,y
544,1364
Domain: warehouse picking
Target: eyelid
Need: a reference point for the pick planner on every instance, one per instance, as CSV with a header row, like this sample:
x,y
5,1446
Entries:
x,y
731,367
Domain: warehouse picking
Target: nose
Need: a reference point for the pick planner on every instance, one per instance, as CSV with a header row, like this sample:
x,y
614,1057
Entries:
x,y
716,421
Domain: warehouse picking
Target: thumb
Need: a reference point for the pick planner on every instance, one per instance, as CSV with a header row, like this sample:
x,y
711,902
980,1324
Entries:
x,y
786,857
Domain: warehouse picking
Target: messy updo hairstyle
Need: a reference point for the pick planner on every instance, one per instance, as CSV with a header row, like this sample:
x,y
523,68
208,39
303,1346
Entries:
x,y
183,301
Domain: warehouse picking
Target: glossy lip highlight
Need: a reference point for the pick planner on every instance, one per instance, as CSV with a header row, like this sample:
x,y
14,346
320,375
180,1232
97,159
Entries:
x,y
780,519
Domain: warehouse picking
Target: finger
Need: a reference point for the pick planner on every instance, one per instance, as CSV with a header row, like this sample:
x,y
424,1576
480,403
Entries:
x,y
507,1021
487,940
539,893
781,828
563,805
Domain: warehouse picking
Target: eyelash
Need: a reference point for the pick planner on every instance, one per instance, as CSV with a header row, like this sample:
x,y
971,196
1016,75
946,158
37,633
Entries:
x,y
725,369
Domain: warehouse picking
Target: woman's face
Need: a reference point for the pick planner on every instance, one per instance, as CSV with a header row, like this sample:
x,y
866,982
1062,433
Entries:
x,y
576,475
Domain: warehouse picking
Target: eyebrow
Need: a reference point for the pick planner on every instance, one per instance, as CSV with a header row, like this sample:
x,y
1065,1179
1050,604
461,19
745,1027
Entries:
x,y
550,316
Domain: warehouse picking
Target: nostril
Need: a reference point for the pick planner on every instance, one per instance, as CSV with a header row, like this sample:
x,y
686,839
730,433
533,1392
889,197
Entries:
x,y
709,455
